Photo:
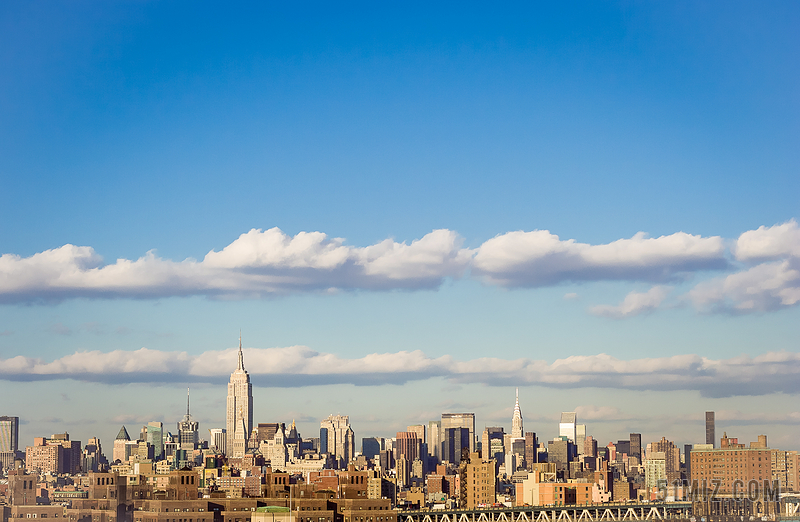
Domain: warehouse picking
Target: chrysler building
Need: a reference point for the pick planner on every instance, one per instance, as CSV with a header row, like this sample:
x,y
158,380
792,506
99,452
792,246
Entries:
x,y
240,403
516,422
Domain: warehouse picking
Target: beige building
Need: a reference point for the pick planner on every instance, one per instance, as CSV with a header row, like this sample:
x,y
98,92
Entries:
x,y
239,410
655,469
478,482
732,467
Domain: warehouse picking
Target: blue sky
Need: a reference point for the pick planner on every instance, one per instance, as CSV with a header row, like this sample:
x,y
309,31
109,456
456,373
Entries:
x,y
447,146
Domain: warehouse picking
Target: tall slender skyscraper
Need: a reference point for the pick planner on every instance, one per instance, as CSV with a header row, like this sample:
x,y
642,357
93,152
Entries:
x,y
188,429
240,402
435,440
710,437
516,421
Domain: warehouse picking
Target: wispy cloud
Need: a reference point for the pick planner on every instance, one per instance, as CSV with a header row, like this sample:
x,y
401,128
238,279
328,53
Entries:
x,y
301,366
59,329
601,413
635,303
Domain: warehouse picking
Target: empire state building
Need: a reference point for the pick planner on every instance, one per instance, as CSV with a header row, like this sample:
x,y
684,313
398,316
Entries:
x,y
239,416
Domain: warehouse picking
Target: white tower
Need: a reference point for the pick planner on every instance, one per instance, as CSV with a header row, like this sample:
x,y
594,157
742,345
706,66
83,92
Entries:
x,y
516,421
240,402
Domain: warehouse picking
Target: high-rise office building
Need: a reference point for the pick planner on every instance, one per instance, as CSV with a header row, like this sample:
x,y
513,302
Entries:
x,y
370,447
9,434
580,437
567,427
517,431
409,445
636,445
217,439
435,440
710,437
119,452
188,430
493,444
93,458
239,411
155,436
336,438
419,429
687,459
531,450
590,446
267,430
460,420
454,441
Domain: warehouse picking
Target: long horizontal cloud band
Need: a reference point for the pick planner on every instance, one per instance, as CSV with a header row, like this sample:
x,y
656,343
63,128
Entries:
x,y
263,263
301,366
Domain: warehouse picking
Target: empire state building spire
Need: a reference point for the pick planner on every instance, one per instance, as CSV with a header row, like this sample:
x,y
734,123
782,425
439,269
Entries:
x,y
241,357
239,411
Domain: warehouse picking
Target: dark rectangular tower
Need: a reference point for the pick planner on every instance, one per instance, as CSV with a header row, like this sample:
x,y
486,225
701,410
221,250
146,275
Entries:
x,y
710,437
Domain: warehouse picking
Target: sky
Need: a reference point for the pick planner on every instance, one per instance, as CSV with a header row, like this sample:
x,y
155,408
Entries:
x,y
405,209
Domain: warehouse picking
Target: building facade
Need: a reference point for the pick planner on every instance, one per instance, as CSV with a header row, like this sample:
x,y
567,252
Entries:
x,y
239,410
9,434
336,438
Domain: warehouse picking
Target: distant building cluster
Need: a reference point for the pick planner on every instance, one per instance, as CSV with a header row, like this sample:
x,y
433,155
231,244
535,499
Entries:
x,y
259,471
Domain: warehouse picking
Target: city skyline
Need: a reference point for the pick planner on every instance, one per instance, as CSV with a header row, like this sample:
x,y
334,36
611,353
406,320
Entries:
x,y
407,211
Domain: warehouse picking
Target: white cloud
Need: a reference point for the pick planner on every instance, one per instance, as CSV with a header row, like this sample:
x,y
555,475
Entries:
x,y
635,303
775,242
762,288
262,263
540,258
272,248
257,264
771,285
301,366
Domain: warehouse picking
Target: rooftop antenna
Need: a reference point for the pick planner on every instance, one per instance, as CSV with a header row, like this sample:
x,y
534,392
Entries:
x,y
241,357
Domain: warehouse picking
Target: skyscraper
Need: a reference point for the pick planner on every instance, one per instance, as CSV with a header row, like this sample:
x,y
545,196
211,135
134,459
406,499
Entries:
x,y
435,440
636,445
457,433
120,443
217,442
9,434
461,420
240,403
188,430
155,436
409,445
710,438
336,437
531,452
516,421
580,437
493,444
567,427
